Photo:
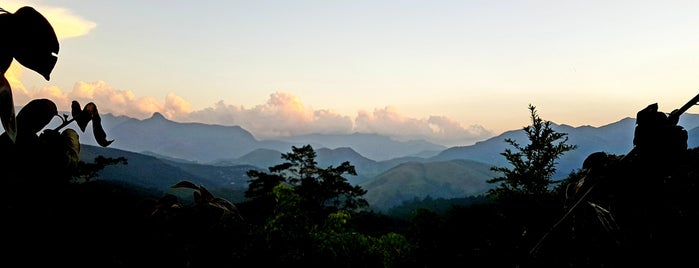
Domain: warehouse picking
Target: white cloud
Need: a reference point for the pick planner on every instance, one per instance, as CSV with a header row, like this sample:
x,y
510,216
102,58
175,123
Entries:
x,y
449,132
14,77
389,121
175,106
120,102
282,115
107,99
439,129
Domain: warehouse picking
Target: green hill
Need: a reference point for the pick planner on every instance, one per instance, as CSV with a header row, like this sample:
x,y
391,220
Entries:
x,y
159,174
447,179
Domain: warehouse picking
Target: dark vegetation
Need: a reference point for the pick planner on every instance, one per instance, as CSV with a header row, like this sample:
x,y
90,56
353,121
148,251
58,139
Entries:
x,y
615,211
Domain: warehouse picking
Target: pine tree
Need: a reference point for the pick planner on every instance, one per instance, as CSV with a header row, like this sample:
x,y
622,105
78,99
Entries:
x,y
533,165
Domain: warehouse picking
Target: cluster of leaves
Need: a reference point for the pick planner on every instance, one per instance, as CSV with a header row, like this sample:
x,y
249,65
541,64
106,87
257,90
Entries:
x,y
53,152
56,150
42,204
34,45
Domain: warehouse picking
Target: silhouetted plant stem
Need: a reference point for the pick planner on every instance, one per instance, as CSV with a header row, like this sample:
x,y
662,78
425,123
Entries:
x,y
66,122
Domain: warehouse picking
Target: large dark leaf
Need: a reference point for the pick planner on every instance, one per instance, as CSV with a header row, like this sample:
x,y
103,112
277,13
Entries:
x,y
34,116
97,129
185,184
76,112
7,109
206,196
90,113
82,116
223,204
35,44
5,47
200,195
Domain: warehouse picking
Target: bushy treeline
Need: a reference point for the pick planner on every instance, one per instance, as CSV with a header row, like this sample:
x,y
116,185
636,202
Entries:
x,y
438,205
102,224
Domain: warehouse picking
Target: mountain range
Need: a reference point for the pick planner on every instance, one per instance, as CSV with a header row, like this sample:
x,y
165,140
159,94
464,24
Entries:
x,y
162,152
206,143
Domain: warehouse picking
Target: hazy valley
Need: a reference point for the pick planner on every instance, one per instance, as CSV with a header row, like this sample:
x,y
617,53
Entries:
x,y
161,152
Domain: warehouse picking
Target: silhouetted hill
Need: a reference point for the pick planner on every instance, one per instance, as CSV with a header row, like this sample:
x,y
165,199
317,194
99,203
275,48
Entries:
x,y
615,138
689,120
445,179
142,170
373,146
206,143
193,141
226,181
168,158
218,144
261,158
159,174
156,168
365,167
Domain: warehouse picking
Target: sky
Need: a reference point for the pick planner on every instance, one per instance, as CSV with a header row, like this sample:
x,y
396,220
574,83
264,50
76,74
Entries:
x,y
451,72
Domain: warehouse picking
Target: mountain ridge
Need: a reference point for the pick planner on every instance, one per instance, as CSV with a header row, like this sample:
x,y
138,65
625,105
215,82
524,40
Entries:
x,y
210,143
388,182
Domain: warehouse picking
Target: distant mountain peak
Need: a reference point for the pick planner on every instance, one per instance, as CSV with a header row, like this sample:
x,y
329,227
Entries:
x,y
158,116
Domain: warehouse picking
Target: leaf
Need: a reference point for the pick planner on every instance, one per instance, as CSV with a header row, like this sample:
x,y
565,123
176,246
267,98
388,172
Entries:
x,y
90,113
206,196
185,184
98,131
35,44
34,116
7,109
71,150
86,115
76,112
223,204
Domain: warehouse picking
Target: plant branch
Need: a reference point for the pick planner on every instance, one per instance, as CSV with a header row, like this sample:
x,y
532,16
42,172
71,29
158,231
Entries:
x,y
65,123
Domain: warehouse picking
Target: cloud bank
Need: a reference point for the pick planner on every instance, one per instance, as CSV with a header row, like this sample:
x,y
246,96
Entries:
x,y
282,115
285,115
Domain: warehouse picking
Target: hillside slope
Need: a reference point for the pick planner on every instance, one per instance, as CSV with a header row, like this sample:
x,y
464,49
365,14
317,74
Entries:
x,y
447,179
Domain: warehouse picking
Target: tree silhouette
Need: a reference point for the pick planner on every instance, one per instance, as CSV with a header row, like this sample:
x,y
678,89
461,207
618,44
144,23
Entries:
x,y
322,190
533,165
